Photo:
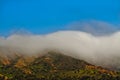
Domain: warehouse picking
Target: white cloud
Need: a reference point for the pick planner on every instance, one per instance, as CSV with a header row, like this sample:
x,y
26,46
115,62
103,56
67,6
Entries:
x,y
101,50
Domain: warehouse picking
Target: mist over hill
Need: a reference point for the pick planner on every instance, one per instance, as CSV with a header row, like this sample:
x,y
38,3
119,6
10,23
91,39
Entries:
x,y
99,50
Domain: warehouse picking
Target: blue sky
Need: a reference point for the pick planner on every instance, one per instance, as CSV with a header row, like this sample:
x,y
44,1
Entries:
x,y
44,16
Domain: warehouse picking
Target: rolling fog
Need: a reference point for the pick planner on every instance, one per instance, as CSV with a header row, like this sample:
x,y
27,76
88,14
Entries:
x,y
99,50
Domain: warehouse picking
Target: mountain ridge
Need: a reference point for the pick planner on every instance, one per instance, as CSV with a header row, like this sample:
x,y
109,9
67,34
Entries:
x,y
54,65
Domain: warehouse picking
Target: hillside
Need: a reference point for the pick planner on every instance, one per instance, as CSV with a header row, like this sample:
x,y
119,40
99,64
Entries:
x,y
52,66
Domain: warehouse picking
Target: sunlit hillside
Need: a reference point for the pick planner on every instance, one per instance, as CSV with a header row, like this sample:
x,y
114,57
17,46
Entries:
x,y
53,66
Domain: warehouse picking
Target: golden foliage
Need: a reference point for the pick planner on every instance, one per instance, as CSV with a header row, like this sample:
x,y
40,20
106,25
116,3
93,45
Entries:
x,y
20,63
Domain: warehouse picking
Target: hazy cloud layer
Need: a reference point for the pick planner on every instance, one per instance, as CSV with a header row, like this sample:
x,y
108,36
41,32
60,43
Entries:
x,y
94,27
101,50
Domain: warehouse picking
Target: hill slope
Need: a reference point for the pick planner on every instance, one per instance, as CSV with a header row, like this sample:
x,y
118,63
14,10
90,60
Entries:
x,y
52,66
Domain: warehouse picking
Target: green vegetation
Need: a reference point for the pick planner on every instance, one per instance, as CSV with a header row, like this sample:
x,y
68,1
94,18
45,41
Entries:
x,y
54,66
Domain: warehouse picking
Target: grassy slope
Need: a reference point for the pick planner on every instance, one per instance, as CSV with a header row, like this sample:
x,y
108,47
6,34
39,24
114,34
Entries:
x,y
54,66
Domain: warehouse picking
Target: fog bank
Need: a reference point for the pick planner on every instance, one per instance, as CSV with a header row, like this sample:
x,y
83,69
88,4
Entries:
x,y
99,50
